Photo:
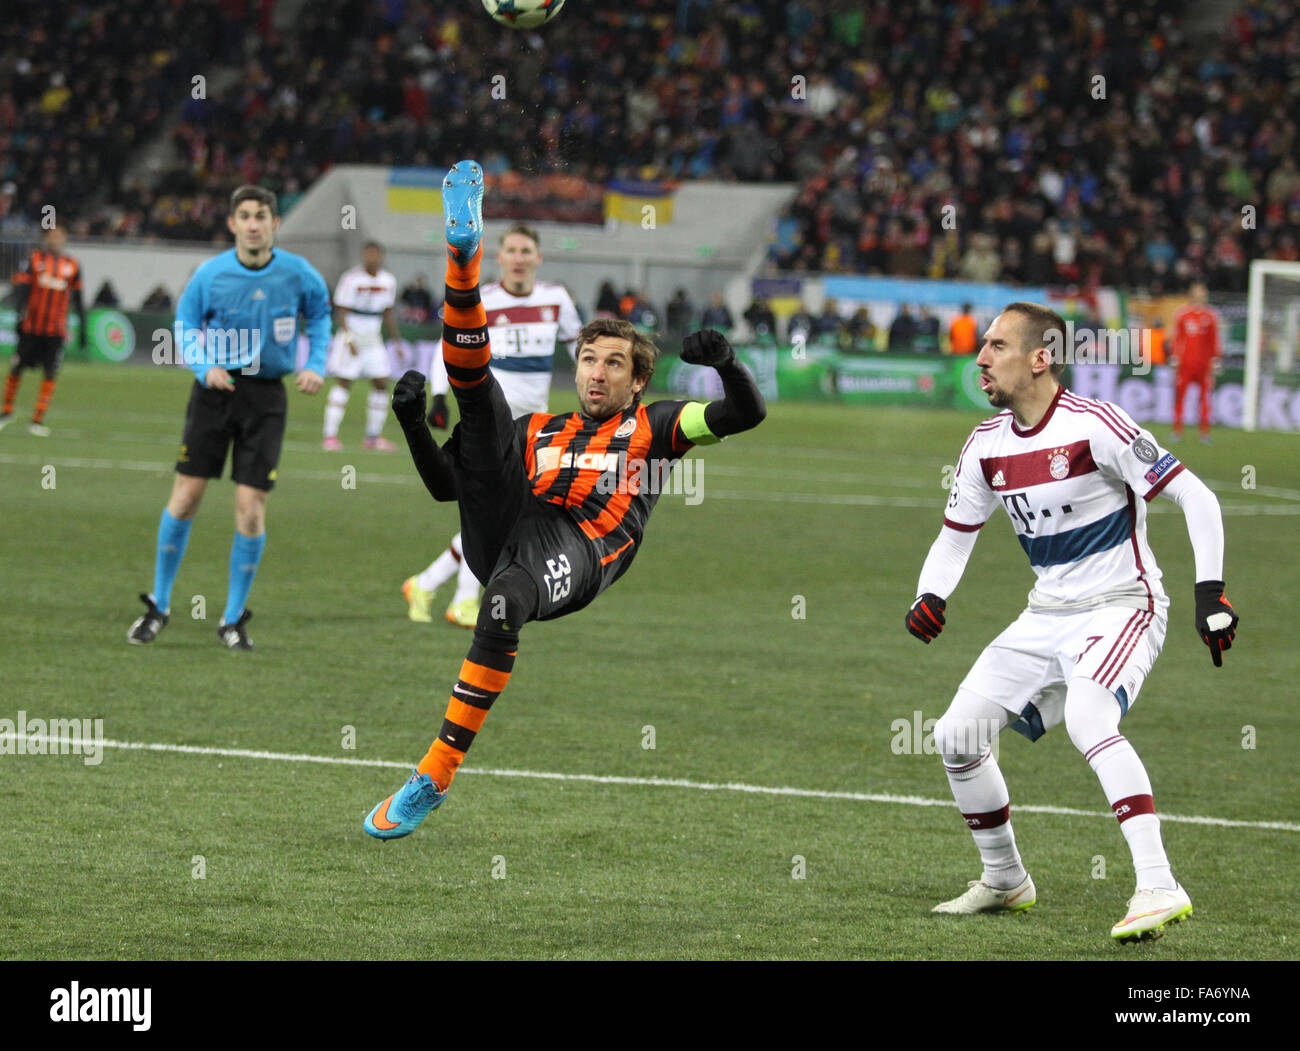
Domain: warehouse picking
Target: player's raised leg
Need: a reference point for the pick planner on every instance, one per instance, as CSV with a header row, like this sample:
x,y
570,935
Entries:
x,y
964,737
466,350
489,470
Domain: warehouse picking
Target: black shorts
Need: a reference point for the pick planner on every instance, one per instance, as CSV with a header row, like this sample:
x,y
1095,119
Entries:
x,y
44,352
251,416
561,561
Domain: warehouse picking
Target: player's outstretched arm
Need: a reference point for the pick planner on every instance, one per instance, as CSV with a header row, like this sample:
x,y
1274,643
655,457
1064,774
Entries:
x,y
940,575
1216,620
742,407
434,465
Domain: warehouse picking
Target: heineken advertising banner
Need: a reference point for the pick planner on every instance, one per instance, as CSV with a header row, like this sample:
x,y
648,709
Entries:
x,y
111,334
818,374
887,379
1150,398
148,339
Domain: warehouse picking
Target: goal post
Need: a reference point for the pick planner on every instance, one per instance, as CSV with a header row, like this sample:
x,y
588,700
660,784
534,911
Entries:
x,y
1272,328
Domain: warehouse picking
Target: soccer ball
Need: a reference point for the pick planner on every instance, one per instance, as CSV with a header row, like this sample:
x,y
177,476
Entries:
x,y
523,14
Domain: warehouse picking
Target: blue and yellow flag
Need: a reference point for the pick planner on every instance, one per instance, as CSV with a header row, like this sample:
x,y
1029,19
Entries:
x,y
626,201
415,190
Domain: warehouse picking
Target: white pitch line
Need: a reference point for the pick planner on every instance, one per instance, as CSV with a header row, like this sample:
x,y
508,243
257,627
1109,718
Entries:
x,y
654,782
762,496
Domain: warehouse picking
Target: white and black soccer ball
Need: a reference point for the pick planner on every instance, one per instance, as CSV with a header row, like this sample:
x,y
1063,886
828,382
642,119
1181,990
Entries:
x,y
523,14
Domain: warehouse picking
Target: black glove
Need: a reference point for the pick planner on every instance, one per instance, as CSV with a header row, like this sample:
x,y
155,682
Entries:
x,y
707,348
408,398
925,619
1212,606
438,413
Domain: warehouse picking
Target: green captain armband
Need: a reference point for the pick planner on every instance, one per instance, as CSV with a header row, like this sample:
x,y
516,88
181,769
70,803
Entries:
x,y
691,421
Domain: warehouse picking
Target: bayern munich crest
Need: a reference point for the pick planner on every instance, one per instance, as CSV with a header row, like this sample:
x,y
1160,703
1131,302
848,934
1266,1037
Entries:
x,y
1059,465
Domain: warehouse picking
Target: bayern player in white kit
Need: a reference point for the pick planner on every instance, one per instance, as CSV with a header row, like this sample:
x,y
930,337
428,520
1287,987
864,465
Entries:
x,y
526,319
1074,476
363,313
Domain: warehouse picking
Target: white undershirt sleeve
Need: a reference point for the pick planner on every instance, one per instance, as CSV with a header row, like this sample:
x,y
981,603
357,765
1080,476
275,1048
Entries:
x,y
946,562
1204,522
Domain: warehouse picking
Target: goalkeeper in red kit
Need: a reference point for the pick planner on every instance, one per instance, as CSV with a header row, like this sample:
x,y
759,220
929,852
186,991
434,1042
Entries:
x,y
552,508
1196,356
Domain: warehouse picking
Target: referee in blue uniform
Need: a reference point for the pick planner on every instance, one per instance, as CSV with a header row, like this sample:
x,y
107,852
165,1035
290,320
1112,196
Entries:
x,y
237,330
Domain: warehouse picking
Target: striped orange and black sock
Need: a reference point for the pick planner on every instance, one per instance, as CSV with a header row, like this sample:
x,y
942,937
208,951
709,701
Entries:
x,y
11,390
465,348
482,678
43,400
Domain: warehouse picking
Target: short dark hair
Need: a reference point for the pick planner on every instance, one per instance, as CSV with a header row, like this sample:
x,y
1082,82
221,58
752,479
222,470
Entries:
x,y
644,350
521,228
1040,322
249,192
372,244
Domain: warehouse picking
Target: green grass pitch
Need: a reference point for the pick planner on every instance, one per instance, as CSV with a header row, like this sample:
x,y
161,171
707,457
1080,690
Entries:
x,y
824,511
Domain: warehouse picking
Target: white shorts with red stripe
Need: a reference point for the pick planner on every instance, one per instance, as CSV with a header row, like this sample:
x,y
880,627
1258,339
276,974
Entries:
x,y
1029,667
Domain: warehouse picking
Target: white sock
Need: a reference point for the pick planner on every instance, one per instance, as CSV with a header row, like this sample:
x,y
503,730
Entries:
x,y
442,568
466,584
981,795
963,737
1092,719
376,411
336,403
1124,779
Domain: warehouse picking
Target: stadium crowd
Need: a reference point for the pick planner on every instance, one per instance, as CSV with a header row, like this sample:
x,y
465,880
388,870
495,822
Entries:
x,y
1038,142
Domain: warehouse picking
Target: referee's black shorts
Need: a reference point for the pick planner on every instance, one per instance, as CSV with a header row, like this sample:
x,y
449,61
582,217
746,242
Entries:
x,y
45,352
252,417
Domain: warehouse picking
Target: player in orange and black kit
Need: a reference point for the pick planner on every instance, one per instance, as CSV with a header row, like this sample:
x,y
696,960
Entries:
x,y
50,284
552,508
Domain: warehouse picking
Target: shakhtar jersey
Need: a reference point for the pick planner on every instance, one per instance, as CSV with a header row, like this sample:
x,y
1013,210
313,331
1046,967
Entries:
x,y
365,297
53,279
608,474
523,331
1075,488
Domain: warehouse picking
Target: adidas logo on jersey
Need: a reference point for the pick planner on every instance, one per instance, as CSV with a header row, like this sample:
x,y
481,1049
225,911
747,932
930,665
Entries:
x,y
259,294
998,480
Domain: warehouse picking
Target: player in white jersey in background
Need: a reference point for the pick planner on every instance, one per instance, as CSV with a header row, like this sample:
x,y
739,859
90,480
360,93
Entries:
x,y
363,313
1074,476
526,319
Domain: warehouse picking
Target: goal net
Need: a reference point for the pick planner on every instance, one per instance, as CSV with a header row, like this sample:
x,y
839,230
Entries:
x,y
1272,333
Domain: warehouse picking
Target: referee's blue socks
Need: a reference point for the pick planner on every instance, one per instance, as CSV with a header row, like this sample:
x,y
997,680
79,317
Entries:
x,y
245,554
173,535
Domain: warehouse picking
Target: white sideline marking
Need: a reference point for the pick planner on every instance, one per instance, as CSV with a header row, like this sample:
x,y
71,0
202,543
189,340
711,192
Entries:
x,y
664,782
762,496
